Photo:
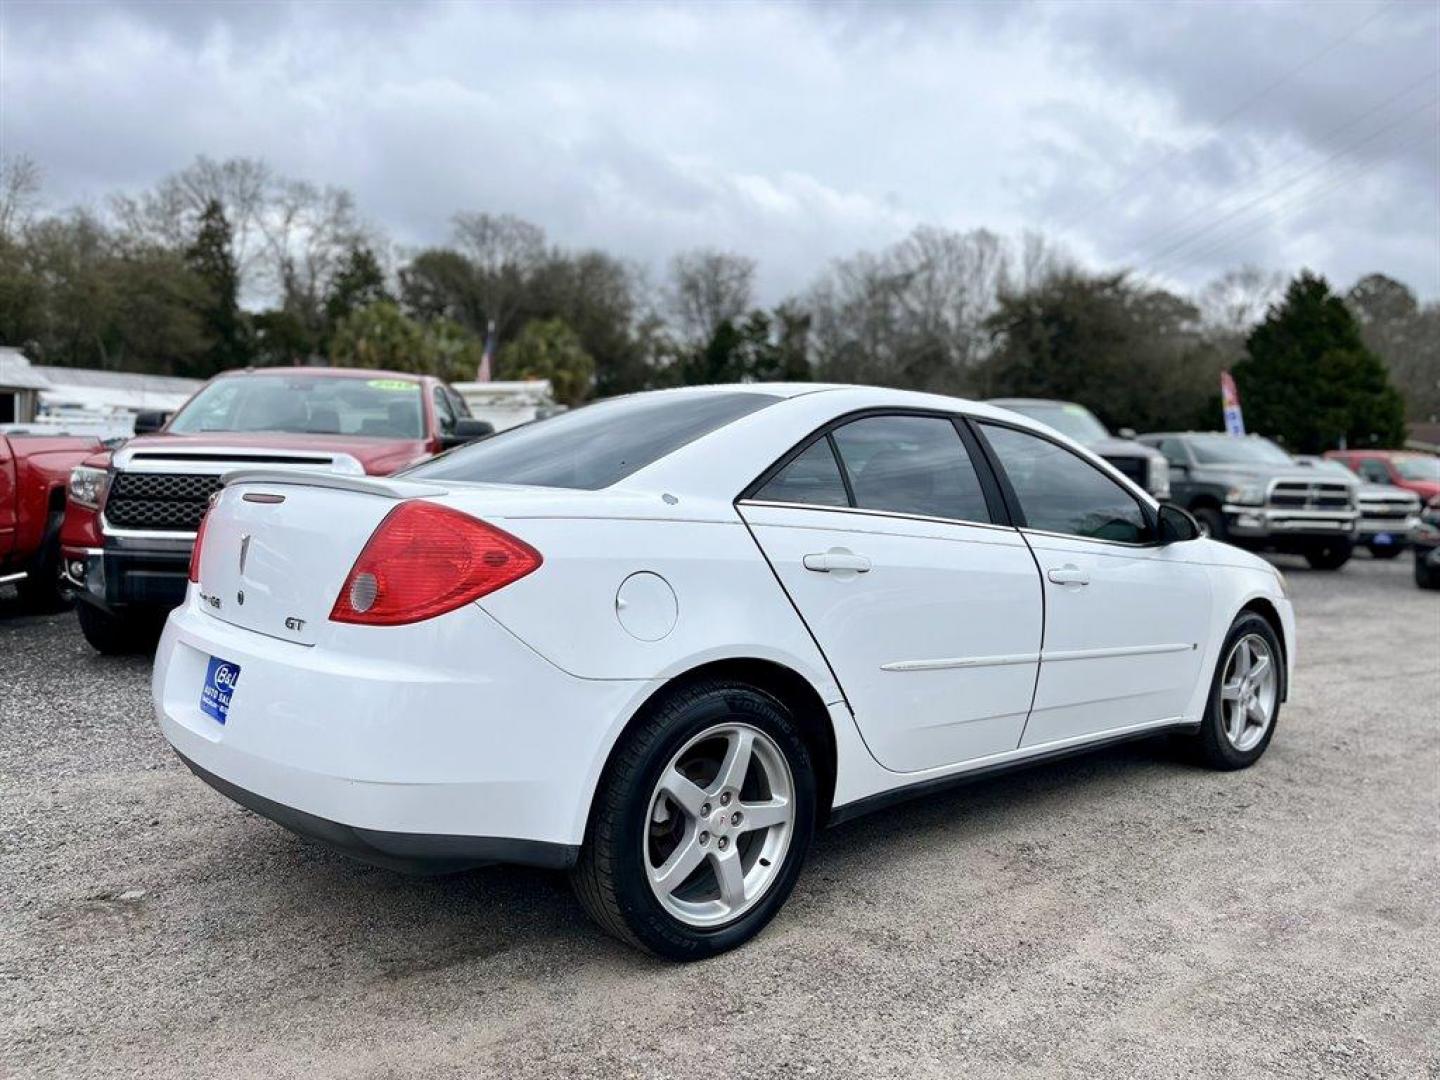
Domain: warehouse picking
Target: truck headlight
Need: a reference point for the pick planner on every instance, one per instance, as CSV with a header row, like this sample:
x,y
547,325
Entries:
x,y
1158,478
88,486
1246,495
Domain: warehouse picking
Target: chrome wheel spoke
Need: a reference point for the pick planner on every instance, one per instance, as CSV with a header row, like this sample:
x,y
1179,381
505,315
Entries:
x,y
1259,670
764,815
1235,724
687,794
678,867
737,761
730,876
1231,691
1256,711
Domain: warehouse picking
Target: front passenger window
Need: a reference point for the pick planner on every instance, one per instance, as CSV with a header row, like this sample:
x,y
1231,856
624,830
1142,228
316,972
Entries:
x,y
1060,492
911,465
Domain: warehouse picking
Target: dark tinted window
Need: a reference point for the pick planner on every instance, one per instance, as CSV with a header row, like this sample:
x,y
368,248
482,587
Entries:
x,y
1062,493
911,465
813,478
595,446
444,412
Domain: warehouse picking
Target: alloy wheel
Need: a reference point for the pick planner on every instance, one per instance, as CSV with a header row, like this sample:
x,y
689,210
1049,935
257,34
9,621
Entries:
x,y
719,824
1249,692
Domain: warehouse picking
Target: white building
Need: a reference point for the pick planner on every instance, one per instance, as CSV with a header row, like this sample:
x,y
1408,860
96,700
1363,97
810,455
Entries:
x,y
83,400
507,404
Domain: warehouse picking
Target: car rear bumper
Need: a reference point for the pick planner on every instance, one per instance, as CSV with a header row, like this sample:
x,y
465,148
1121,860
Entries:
x,y
431,747
409,853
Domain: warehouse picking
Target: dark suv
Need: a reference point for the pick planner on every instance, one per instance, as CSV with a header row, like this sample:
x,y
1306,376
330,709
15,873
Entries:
x,y
1248,491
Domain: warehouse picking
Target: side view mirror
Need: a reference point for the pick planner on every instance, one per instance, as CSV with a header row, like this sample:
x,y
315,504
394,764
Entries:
x,y
467,429
1176,525
148,422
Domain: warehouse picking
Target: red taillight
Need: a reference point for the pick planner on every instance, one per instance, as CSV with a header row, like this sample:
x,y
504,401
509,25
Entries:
x,y
425,560
195,551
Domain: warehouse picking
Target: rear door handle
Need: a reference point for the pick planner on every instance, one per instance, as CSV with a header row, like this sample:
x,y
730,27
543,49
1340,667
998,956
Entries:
x,y
825,562
1068,575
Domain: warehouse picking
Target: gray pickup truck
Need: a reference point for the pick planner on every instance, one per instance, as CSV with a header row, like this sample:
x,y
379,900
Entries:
x,y
1249,492
1140,463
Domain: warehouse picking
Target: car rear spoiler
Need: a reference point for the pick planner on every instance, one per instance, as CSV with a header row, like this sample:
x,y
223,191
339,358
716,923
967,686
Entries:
x,y
385,487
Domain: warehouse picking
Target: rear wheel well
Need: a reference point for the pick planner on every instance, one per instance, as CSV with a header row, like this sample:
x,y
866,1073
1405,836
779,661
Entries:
x,y
1266,610
784,684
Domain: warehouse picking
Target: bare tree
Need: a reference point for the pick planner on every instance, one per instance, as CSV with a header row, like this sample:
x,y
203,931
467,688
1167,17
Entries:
x,y
19,194
1238,299
914,314
505,252
708,287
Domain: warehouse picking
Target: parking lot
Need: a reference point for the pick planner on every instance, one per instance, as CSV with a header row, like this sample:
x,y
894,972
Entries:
x,y
1123,914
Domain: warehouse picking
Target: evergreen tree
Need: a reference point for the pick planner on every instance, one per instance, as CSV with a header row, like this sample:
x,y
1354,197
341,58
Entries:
x,y
359,283
1308,379
209,257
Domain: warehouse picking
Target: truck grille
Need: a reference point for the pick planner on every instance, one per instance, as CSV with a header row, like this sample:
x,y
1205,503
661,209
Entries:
x,y
1300,495
172,502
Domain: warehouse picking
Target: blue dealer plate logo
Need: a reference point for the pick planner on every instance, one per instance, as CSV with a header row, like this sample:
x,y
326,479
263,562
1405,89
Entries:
x,y
221,678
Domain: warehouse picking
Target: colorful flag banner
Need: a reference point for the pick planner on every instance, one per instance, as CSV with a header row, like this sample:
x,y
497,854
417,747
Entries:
x,y
1230,403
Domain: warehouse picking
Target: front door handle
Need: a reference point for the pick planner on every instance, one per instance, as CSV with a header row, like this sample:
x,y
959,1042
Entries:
x,y
1068,575
825,562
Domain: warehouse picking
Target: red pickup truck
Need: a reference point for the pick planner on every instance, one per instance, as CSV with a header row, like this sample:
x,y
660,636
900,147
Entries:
x,y
34,470
1405,469
132,514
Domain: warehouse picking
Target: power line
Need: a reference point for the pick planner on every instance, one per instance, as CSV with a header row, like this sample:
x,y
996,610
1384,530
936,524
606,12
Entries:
x,y
1176,227
1286,207
1231,115
1257,200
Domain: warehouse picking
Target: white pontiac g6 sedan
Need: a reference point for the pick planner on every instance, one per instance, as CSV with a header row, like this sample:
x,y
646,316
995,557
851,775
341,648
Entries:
x,y
658,640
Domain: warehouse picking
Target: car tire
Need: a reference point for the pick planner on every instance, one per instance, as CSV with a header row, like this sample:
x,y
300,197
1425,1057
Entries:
x,y
40,591
1389,551
1211,522
1427,577
635,824
1221,743
114,635
1331,555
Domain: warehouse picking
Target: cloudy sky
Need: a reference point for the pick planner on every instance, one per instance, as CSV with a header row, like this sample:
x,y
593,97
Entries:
x,y
1177,139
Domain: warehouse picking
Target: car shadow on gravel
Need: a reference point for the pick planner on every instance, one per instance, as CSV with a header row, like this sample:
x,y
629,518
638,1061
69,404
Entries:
x,y
398,928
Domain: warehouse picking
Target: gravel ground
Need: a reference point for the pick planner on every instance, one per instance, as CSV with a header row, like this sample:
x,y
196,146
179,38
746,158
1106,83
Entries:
x,y
1122,914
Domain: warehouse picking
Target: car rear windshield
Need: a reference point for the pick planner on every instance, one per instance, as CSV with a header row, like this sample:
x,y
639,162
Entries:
x,y
384,407
595,446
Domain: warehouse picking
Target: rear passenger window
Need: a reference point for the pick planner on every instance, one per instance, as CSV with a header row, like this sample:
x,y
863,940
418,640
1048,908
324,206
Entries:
x,y
1061,493
911,465
812,478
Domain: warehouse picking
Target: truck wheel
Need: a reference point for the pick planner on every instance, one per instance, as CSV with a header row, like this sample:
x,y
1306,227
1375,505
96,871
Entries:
x,y
1211,522
700,824
1330,555
1427,577
40,589
113,635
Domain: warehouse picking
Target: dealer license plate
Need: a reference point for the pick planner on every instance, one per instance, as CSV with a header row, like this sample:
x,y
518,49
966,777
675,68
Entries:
x,y
221,678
